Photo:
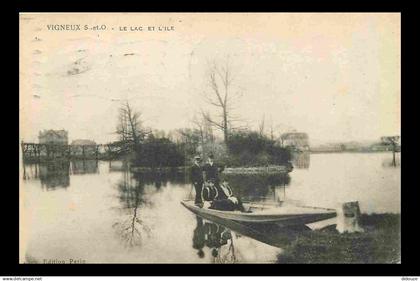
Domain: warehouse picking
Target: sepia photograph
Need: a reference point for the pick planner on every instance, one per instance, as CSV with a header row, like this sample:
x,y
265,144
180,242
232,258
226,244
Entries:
x,y
215,138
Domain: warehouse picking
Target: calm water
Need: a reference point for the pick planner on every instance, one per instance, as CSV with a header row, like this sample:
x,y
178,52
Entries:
x,y
95,212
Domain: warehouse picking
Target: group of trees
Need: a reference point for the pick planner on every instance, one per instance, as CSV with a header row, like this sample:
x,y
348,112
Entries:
x,y
239,147
247,148
244,147
143,147
159,152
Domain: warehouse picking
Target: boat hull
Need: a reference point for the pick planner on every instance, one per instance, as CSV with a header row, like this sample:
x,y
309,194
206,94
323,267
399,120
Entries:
x,y
275,216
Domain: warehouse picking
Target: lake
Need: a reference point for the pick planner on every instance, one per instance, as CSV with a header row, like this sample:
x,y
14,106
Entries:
x,y
98,212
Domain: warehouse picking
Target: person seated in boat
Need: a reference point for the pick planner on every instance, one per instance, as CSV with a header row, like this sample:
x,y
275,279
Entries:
x,y
209,192
224,200
220,197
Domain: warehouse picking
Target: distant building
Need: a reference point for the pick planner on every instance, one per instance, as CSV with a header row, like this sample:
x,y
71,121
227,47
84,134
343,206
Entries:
x,y
297,140
82,146
53,137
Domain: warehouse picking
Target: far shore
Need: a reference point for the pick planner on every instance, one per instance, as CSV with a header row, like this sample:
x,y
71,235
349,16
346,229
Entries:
x,y
274,169
348,151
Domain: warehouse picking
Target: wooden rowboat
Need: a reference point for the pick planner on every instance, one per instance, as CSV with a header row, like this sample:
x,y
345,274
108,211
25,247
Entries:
x,y
257,213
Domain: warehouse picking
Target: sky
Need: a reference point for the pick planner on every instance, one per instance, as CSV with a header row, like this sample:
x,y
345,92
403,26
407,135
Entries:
x,y
334,76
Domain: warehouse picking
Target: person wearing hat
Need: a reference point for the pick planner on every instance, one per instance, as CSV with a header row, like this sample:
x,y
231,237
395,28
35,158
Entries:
x,y
197,179
212,170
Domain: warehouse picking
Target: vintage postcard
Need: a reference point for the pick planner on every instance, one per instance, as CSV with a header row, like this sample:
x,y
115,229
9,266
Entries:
x,y
210,138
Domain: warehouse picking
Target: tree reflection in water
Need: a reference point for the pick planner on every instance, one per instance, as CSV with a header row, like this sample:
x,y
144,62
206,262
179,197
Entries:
x,y
131,228
391,163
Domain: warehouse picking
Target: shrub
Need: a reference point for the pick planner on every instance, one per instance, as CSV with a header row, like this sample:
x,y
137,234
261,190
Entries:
x,y
159,152
252,149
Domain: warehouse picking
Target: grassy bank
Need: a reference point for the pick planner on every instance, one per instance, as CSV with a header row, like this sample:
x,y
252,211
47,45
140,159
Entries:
x,y
379,243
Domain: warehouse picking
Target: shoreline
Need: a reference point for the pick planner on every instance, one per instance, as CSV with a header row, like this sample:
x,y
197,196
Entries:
x,y
227,171
379,243
349,151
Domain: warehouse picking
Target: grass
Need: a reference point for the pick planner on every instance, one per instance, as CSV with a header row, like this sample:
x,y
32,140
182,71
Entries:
x,y
379,243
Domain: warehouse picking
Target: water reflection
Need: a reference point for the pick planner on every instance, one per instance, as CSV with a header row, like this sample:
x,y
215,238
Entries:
x,y
214,237
218,232
30,171
218,238
110,215
257,187
80,167
54,174
392,163
117,166
161,179
130,227
301,160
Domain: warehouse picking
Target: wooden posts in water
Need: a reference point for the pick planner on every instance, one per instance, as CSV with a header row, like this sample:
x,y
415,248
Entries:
x,y
49,151
43,151
30,151
22,146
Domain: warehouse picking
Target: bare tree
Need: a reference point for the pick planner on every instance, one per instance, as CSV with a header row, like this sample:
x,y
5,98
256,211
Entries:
x,y
261,126
394,141
199,126
221,96
204,128
271,131
129,127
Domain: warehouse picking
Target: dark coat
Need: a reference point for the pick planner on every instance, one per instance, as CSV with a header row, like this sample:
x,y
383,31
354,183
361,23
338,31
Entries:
x,y
210,192
221,194
212,172
199,235
196,174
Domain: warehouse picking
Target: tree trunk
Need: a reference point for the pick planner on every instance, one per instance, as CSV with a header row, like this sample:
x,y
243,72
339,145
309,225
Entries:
x,y
393,155
225,126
